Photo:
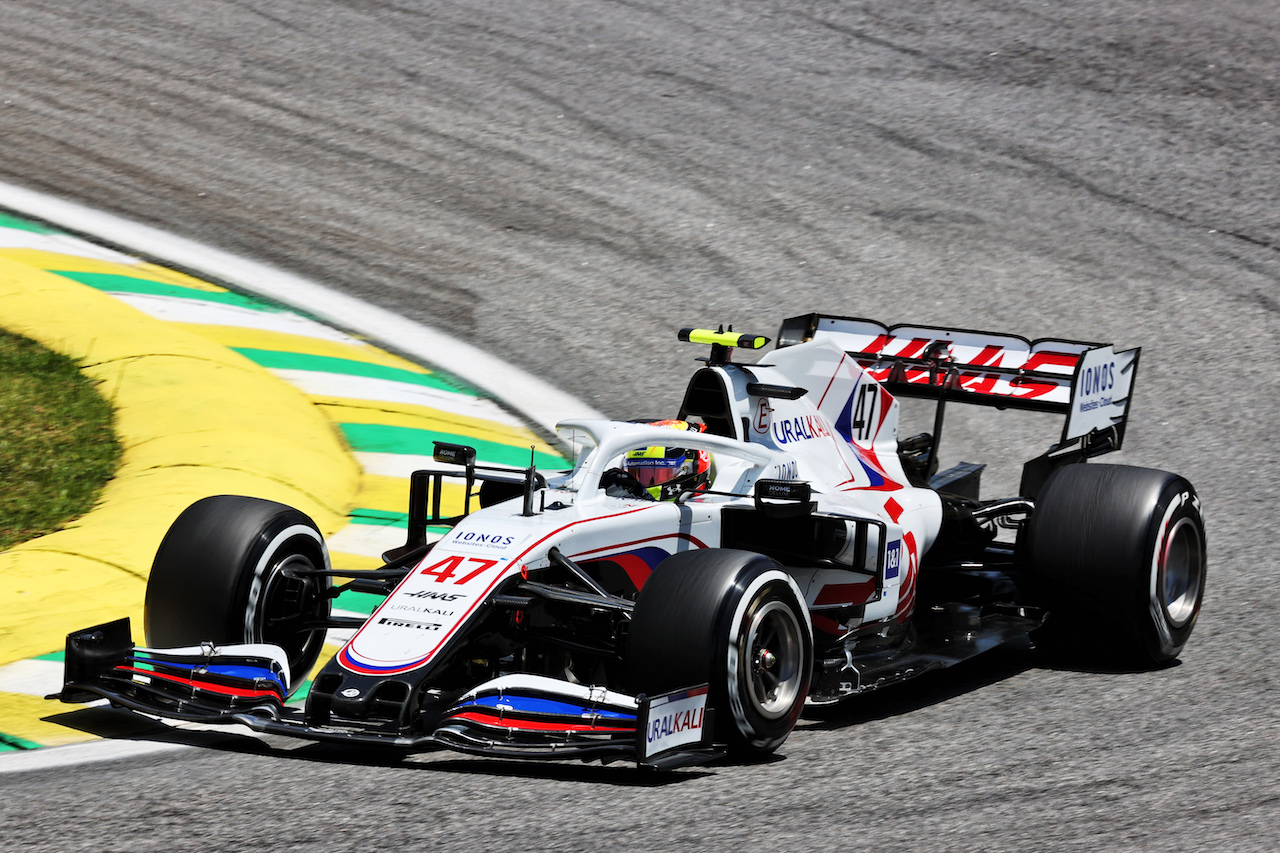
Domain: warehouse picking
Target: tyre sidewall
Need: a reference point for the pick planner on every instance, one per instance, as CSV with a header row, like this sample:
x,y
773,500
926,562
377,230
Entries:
x,y
759,733
1161,635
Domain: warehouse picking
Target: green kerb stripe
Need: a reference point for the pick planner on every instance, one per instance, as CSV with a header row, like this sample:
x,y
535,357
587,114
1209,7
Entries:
x,y
12,742
7,221
379,517
383,518
128,284
358,602
299,697
278,360
379,438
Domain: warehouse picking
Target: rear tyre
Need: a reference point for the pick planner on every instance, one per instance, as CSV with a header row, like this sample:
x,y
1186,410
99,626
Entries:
x,y
218,577
1118,556
733,620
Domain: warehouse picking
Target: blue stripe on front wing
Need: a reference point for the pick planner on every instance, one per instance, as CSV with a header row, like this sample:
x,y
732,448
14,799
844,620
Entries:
x,y
537,705
248,673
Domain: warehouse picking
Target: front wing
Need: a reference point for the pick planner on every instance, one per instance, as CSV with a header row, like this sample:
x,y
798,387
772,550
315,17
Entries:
x,y
514,716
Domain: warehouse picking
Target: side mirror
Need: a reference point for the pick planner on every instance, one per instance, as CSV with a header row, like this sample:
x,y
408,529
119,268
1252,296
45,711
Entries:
x,y
783,498
454,454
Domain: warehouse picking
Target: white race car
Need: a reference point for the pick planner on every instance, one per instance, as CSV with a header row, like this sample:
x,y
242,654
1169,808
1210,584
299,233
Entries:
x,y
688,586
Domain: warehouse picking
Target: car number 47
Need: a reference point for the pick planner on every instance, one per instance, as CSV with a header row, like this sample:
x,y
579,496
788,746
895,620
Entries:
x,y
443,571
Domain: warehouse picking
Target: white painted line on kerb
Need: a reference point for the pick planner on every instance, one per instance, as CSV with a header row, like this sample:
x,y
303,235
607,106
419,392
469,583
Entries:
x,y
366,540
176,309
540,401
60,244
403,465
351,387
82,753
31,677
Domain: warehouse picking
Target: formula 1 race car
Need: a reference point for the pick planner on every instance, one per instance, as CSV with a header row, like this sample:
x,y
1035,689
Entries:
x,y
687,586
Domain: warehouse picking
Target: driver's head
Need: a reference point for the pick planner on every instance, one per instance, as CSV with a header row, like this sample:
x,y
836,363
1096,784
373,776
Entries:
x,y
667,472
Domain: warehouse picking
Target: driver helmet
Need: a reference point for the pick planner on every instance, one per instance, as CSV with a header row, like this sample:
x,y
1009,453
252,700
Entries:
x,y
667,472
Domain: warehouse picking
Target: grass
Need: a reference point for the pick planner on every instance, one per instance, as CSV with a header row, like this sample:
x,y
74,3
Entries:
x,y
57,444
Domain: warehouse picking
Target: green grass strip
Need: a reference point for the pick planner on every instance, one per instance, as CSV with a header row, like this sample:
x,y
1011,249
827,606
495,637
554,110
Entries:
x,y
381,438
112,283
279,360
57,442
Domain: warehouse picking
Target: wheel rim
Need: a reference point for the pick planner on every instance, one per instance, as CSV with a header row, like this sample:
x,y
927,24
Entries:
x,y
289,604
775,651
1181,569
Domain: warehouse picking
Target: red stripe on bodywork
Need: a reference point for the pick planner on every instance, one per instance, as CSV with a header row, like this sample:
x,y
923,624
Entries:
x,y
826,624
846,593
914,348
696,541
878,344
1053,359
907,592
989,357
893,509
637,569
204,685
534,725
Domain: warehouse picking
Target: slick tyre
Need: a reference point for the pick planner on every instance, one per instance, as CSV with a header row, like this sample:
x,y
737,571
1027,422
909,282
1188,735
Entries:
x,y
1118,556
733,620
219,577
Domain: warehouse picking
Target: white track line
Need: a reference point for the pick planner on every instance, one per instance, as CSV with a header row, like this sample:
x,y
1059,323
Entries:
x,y
82,753
365,540
543,403
31,677
350,387
60,244
180,309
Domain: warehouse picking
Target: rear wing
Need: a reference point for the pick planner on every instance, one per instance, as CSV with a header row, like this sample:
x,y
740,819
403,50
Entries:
x,y
1090,383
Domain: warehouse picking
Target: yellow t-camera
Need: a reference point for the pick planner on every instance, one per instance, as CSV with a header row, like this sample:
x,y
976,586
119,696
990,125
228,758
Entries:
x,y
723,338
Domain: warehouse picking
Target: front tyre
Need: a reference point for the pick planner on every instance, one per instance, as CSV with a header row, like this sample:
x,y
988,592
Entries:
x,y
733,620
1118,555
219,577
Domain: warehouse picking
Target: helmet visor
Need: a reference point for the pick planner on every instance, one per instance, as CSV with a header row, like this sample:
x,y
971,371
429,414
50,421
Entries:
x,y
655,471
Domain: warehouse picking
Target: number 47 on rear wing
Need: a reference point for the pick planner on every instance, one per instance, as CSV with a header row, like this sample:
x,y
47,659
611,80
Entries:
x,y
1090,383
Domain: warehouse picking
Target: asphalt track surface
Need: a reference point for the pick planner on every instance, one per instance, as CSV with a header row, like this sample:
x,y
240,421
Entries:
x,y
564,184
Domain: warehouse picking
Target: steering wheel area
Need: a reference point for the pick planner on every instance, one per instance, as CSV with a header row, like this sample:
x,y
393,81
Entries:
x,y
617,483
